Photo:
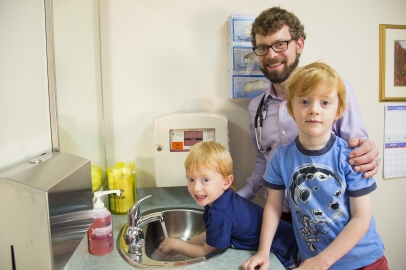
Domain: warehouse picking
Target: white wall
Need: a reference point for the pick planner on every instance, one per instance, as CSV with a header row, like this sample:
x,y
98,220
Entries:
x,y
24,103
78,79
160,56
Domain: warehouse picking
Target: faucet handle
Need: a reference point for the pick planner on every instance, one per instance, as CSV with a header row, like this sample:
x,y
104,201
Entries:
x,y
134,213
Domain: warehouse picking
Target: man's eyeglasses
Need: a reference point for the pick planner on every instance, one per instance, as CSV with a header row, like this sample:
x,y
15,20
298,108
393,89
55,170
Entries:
x,y
279,46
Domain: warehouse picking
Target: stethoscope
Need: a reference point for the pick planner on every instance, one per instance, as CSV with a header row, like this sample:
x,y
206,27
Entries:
x,y
259,118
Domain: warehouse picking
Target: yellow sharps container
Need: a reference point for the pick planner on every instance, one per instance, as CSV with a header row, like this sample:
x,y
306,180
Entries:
x,y
97,177
122,176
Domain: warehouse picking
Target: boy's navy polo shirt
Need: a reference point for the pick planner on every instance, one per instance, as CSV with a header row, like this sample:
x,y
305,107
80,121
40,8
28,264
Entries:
x,y
233,221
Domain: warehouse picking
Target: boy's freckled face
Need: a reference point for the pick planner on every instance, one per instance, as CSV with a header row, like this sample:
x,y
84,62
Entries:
x,y
315,114
206,185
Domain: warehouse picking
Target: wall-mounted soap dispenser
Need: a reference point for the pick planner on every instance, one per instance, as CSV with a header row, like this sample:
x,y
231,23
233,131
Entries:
x,y
46,208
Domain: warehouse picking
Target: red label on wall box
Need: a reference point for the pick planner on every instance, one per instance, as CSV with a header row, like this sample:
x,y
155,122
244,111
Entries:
x,y
177,145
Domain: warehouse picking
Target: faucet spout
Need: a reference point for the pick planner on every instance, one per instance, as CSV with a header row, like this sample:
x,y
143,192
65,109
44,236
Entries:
x,y
134,213
134,236
144,221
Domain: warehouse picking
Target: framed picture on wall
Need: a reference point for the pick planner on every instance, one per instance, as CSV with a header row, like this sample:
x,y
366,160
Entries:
x,y
392,62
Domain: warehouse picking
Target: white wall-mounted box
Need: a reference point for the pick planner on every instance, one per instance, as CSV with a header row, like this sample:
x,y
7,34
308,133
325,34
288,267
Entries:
x,y
175,133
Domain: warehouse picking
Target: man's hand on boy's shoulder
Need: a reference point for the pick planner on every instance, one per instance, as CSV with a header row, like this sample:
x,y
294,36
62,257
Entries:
x,y
365,158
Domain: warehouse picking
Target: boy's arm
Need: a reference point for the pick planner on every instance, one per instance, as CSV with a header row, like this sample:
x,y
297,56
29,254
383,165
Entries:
x,y
270,221
173,246
352,233
198,240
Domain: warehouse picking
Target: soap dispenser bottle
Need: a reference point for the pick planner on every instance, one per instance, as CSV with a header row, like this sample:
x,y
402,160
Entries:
x,y
100,233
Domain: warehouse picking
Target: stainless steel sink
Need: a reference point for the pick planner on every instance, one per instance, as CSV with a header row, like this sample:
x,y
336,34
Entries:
x,y
182,223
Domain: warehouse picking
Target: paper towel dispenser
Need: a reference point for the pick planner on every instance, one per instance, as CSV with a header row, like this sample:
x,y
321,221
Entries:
x,y
46,208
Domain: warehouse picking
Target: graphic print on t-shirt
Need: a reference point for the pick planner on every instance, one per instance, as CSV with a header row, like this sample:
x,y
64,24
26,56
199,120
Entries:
x,y
316,192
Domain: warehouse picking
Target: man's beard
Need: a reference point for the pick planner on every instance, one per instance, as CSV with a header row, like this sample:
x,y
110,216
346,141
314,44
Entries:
x,y
279,77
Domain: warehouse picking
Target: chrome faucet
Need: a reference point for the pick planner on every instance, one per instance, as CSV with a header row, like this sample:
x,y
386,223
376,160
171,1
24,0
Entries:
x,y
134,236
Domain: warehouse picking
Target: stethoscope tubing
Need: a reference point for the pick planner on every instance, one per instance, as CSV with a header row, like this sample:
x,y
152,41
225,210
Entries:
x,y
260,115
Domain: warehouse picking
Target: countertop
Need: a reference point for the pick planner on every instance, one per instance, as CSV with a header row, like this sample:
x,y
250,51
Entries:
x,y
161,197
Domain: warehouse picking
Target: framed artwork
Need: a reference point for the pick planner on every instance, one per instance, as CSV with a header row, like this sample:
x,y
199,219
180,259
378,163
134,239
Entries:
x,y
392,62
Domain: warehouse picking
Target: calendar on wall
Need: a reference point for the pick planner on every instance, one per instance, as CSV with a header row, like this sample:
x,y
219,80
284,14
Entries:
x,y
394,156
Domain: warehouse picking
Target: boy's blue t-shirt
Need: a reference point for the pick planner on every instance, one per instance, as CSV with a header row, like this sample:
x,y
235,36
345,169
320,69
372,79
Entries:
x,y
234,221
319,184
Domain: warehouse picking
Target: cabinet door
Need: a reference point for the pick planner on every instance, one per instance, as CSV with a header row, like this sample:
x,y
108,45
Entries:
x,y
25,130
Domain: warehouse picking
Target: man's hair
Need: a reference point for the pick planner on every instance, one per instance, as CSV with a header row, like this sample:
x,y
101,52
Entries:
x,y
304,79
211,155
272,20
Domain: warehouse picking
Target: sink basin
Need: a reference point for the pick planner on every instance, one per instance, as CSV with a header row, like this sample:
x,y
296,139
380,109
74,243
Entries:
x,y
182,223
